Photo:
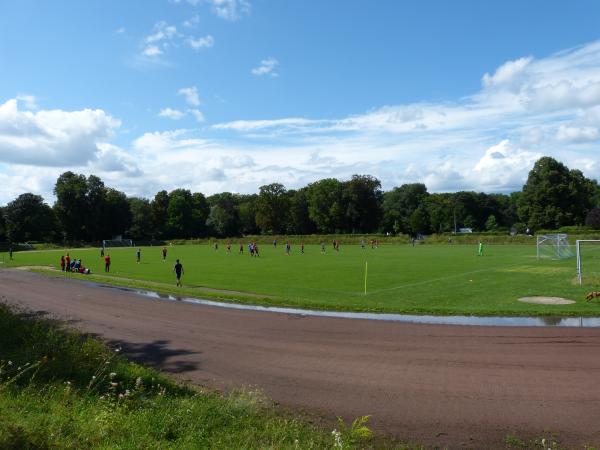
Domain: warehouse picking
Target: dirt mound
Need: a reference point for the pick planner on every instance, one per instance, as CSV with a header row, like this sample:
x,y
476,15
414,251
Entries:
x,y
547,300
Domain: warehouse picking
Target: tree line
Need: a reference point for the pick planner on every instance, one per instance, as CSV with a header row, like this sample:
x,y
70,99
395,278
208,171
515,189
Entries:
x,y
86,209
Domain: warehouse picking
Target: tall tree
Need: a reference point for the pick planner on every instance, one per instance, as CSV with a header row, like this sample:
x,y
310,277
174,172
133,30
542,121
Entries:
x,y
399,204
28,218
555,196
362,198
272,208
325,205
142,226
200,211
179,214
159,205
117,213
247,214
223,219
71,205
299,221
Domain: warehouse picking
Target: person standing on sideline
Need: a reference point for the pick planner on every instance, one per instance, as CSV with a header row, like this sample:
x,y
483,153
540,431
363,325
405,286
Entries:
x,y
178,269
10,252
62,263
302,248
107,263
68,263
480,251
164,254
102,251
138,255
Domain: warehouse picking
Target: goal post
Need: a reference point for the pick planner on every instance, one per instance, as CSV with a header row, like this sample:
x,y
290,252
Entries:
x,y
591,258
109,243
554,246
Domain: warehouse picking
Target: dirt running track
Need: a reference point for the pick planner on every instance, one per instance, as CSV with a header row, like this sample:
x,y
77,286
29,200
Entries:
x,y
455,386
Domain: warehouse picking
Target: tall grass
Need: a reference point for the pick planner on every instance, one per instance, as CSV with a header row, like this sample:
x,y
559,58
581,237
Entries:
x,y
62,389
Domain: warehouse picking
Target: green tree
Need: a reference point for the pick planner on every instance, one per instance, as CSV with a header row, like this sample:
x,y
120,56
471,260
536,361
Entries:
x,y
362,197
142,226
272,208
593,219
555,196
117,214
491,224
28,218
2,224
399,204
325,206
200,211
223,218
179,214
419,221
71,205
298,219
159,205
247,214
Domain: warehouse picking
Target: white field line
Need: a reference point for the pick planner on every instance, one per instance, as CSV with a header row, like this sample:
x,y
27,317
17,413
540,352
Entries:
x,y
448,277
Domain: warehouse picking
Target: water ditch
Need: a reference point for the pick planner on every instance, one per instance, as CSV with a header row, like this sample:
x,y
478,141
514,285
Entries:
x,y
503,321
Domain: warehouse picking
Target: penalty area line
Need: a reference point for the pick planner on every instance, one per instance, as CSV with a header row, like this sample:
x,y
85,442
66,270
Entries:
x,y
435,280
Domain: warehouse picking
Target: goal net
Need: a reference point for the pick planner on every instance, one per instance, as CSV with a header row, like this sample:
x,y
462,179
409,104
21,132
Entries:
x,y
554,246
110,243
588,262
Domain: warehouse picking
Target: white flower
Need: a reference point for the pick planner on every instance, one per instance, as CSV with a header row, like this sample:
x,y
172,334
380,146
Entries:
x,y
112,374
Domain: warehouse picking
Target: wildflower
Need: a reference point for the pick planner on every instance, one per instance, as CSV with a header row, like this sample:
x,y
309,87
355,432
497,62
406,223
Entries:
x,y
113,384
93,377
10,363
337,438
138,382
112,374
127,392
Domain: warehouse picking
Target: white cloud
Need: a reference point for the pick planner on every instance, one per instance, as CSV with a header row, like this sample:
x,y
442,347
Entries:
x,y
198,115
200,43
28,101
567,133
170,113
162,31
192,21
152,51
52,137
191,95
120,30
266,67
230,9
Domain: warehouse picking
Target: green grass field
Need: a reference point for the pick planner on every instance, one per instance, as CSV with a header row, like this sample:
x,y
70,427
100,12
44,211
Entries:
x,y
436,279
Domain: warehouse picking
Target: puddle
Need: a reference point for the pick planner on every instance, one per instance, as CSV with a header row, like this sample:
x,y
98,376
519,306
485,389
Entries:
x,y
504,321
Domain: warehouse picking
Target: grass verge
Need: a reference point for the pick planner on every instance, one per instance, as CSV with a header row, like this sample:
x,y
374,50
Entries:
x,y
62,389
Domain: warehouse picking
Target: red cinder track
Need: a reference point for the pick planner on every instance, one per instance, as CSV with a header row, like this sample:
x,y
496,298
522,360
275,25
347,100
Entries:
x,y
439,385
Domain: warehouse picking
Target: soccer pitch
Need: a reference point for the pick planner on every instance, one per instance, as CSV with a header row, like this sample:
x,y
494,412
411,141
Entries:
x,y
429,279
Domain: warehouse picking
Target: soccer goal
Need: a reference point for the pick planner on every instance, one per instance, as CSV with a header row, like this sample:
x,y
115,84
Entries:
x,y
588,261
554,246
110,243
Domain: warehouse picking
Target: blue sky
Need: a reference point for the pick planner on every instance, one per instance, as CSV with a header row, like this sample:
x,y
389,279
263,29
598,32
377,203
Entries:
x,y
216,95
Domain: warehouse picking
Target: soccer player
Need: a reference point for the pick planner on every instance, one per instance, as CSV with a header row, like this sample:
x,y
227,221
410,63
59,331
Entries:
x,y
302,248
256,250
229,247
274,243
10,252
216,246
107,263
287,248
164,253
480,251
102,251
138,255
241,252
323,247
178,269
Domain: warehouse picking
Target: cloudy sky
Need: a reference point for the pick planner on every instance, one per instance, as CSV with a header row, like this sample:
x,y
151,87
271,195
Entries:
x,y
227,95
